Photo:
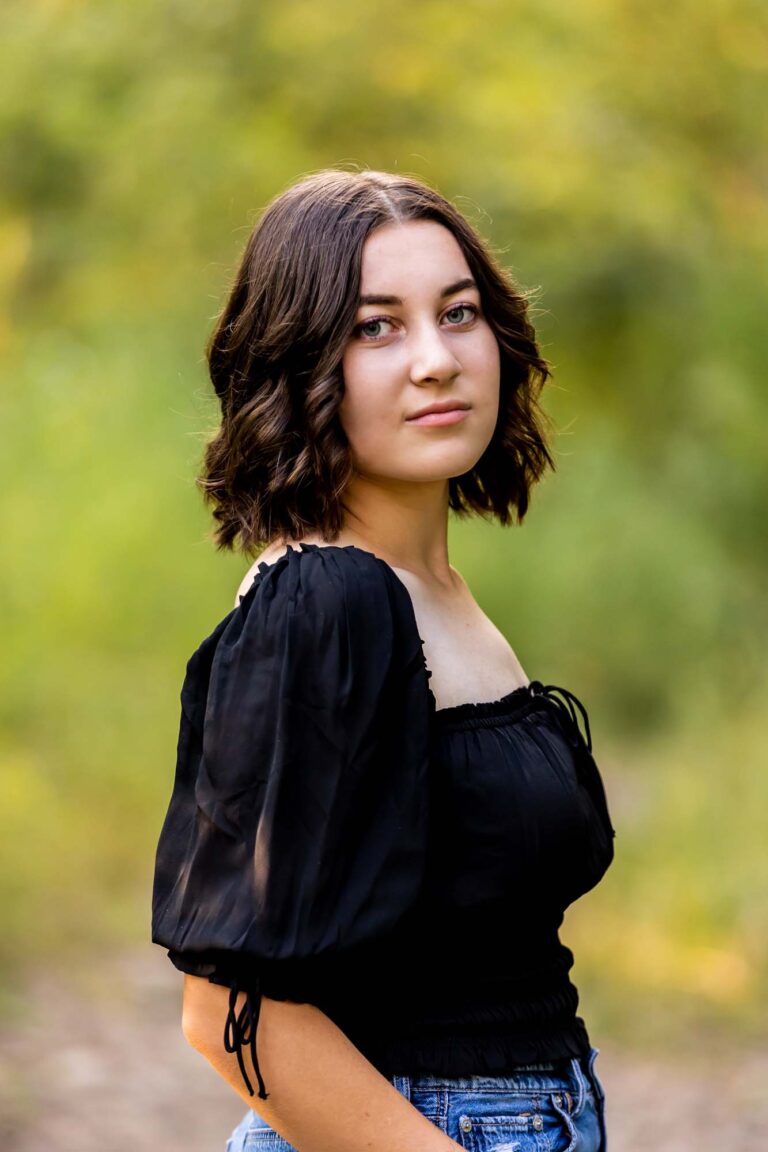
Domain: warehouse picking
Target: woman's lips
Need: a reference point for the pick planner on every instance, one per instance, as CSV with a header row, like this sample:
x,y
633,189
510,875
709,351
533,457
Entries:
x,y
453,416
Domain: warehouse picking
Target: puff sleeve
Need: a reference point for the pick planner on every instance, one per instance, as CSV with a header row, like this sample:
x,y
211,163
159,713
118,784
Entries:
x,y
297,823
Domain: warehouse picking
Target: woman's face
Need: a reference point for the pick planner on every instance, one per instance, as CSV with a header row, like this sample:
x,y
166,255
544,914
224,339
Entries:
x,y
420,338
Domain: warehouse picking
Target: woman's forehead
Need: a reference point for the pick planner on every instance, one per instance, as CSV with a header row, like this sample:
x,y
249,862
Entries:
x,y
396,254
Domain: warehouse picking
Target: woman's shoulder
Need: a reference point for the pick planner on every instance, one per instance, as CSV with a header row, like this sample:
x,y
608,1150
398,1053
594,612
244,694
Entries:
x,y
314,582
305,566
277,555
327,611
328,591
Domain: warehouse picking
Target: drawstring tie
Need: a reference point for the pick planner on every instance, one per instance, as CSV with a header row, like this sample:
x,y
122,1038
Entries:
x,y
585,765
241,1029
567,708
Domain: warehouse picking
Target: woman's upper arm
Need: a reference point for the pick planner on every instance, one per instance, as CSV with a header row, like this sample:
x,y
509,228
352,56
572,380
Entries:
x,y
297,827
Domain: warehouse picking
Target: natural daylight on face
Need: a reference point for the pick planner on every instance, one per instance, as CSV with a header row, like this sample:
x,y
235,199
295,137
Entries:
x,y
420,341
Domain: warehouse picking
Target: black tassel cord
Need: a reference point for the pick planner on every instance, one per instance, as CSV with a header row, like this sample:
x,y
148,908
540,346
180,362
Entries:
x,y
240,1030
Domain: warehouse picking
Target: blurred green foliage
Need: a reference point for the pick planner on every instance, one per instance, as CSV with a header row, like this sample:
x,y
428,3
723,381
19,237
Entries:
x,y
612,153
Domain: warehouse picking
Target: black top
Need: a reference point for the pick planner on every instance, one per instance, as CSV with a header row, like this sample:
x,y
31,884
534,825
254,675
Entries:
x,y
333,838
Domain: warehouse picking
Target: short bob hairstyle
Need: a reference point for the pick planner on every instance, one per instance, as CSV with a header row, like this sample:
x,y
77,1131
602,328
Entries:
x,y
279,463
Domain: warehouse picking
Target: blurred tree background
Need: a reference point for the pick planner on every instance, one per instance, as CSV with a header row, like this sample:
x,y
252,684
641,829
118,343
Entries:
x,y
614,154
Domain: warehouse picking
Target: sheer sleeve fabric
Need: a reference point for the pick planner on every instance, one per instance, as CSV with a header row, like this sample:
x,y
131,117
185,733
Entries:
x,y
297,824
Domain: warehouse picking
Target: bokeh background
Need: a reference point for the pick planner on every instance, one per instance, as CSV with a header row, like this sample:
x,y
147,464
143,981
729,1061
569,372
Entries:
x,y
614,154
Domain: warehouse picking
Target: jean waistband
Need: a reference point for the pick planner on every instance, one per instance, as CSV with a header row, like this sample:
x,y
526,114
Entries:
x,y
573,1074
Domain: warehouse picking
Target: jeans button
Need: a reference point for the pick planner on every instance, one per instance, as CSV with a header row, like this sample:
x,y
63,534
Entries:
x,y
465,1124
557,1099
538,1123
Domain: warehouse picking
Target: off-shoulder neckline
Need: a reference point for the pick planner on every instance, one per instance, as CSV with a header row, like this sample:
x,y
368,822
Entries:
x,y
519,698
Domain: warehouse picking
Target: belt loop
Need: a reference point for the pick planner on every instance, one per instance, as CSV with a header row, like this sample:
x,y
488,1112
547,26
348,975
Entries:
x,y
403,1085
597,1085
592,1075
597,1088
581,1085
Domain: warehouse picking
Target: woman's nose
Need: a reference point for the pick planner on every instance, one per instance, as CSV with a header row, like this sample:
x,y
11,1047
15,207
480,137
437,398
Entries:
x,y
431,356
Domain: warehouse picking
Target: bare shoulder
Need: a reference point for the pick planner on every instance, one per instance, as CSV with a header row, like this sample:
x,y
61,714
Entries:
x,y
246,582
270,554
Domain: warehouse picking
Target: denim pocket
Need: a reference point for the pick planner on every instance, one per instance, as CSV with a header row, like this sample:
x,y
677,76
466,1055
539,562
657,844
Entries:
x,y
265,1140
497,1133
561,1102
543,1125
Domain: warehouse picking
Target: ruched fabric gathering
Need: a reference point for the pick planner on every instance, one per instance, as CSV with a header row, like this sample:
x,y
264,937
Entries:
x,y
314,843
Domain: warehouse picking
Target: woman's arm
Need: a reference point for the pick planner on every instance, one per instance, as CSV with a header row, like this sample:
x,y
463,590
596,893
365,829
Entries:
x,y
324,1096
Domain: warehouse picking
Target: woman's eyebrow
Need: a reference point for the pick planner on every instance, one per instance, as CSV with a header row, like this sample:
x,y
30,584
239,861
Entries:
x,y
459,286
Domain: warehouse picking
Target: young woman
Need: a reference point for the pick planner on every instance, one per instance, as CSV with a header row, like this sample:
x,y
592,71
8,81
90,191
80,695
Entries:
x,y
377,819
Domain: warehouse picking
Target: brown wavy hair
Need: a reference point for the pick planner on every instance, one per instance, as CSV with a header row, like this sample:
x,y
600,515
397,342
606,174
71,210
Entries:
x,y
279,463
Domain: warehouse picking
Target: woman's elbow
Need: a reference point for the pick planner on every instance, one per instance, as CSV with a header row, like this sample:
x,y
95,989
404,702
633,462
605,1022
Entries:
x,y
203,1012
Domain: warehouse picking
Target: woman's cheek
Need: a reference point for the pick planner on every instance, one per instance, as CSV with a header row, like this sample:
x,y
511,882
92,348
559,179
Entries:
x,y
359,425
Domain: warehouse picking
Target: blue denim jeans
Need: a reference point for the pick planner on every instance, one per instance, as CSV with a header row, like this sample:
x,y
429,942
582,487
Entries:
x,y
550,1107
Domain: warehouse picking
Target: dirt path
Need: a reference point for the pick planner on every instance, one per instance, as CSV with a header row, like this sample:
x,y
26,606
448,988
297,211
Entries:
x,y
100,1063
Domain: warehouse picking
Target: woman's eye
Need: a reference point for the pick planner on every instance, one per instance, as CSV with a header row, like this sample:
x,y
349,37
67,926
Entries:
x,y
367,328
462,308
